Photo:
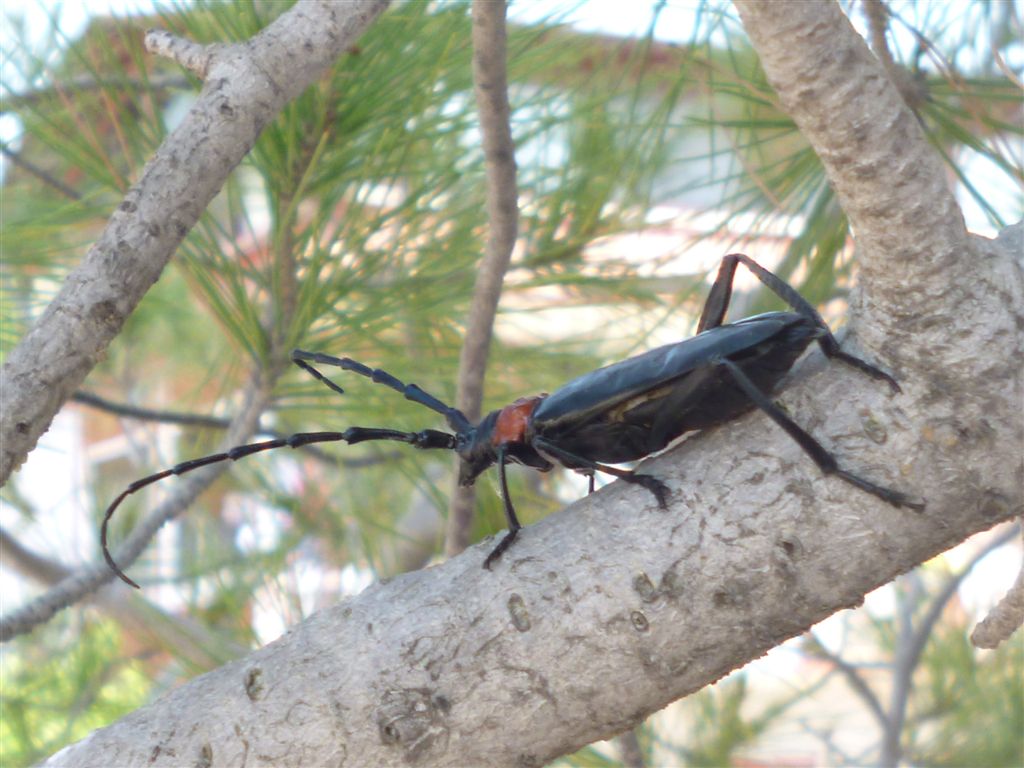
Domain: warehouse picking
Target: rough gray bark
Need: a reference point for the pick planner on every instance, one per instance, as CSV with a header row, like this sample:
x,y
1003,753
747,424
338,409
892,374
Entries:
x,y
611,609
246,85
942,308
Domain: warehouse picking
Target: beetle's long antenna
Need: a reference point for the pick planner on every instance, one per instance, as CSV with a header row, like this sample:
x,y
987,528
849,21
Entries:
x,y
721,292
456,419
427,439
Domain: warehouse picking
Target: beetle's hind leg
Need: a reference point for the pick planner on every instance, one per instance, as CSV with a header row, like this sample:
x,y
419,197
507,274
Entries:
x,y
825,460
650,482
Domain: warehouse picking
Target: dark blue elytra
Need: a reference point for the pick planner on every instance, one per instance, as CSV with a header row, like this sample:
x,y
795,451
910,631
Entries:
x,y
636,407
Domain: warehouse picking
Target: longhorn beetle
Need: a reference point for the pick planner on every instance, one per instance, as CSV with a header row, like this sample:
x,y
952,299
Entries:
x,y
619,413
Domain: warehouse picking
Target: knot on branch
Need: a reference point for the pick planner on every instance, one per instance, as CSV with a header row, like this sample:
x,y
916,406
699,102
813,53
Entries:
x,y
416,720
192,56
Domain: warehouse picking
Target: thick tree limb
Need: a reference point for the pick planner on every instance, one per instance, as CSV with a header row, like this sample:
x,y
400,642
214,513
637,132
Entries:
x,y
940,305
600,615
247,84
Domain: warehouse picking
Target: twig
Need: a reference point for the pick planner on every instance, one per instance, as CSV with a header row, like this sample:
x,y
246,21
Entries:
x,y
39,173
192,56
491,88
924,629
86,83
77,585
151,414
853,677
913,90
188,639
27,562
1006,618
878,23
630,753
908,657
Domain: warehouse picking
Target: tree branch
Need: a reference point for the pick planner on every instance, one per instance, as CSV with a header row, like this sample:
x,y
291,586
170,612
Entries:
x,y
911,644
878,160
186,638
86,83
613,608
913,91
189,55
1006,618
257,395
248,84
926,282
491,88
854,679
601,614
88,579
39,173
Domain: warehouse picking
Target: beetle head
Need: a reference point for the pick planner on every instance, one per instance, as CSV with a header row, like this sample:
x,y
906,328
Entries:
x,y
475,449
507,429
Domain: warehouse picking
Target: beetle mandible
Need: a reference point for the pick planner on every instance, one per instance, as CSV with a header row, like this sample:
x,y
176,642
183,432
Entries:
x,y
619,413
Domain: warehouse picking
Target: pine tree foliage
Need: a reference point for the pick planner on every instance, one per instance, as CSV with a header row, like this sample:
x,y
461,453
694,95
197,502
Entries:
x,y
354,228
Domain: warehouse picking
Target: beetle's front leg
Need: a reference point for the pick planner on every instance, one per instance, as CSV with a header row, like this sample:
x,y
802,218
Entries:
x,y
514,526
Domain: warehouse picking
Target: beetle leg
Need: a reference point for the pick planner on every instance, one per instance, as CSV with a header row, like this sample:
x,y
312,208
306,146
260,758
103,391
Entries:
x,y
819,455
589,474
510,514
572,461
721,292
830,347
717,302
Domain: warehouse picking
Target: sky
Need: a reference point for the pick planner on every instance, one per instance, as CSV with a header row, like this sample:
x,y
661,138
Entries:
x,y
674,21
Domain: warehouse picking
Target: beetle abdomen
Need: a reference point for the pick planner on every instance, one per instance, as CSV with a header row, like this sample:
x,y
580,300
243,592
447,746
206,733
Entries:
x,y
699,395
